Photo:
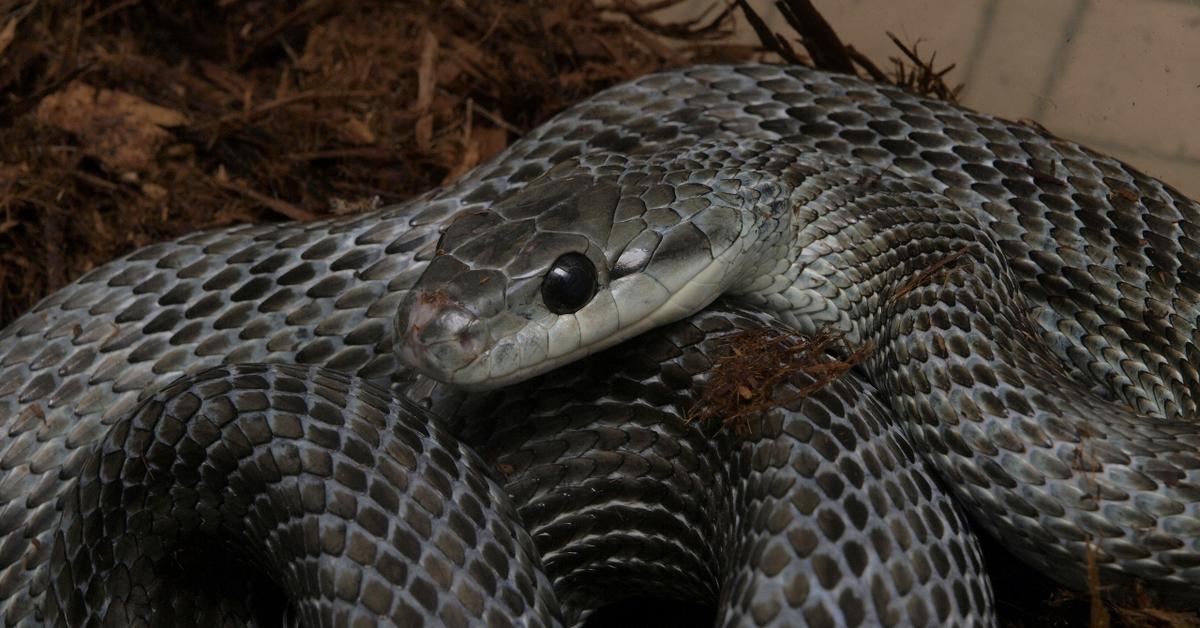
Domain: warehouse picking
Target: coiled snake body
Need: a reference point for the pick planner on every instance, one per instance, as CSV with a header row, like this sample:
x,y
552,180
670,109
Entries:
x,y
1031,308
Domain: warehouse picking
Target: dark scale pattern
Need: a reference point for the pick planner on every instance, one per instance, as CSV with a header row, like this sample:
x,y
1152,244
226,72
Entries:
x,y
1106,254
354,505
1042,460
823,514
1101,258
127,328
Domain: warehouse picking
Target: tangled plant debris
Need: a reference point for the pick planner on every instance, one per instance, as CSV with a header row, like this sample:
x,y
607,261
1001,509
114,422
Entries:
x,y
746,381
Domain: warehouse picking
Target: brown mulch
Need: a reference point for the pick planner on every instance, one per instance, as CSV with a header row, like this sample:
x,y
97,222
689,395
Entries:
x,y
125,123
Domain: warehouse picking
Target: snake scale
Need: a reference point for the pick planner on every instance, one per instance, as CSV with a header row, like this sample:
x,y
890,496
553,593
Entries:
x,y
239,426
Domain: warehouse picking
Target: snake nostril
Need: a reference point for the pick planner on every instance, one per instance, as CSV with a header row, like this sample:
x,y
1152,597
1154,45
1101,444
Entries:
x,y
472,340
438,334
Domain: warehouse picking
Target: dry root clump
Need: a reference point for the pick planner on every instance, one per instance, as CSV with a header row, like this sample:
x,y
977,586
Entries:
x,y
746,381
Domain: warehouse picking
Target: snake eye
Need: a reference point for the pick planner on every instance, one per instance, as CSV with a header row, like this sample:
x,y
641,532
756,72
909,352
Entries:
x,y
570,284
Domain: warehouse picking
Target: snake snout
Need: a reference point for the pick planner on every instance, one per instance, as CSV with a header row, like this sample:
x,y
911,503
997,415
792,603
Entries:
x,y
438,336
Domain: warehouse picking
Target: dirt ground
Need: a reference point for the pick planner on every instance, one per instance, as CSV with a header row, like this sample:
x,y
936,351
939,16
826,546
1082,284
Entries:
x,y
128,122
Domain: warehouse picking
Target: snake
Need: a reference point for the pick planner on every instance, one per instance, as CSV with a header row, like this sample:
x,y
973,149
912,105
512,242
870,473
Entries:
x,y
472,408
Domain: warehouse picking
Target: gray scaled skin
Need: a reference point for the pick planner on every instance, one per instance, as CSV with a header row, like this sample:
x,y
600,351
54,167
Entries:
x,y
250,492
1097,259
1032,305
820,513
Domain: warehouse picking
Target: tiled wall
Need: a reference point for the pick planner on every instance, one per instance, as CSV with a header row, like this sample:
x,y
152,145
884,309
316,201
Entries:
x,y
1121,76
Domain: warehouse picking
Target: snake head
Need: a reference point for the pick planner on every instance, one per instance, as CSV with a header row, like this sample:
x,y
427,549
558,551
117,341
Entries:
x,y
572,263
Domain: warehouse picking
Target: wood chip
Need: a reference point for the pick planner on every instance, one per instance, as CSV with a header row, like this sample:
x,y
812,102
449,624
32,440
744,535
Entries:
x,y
8,32
123,131
426,86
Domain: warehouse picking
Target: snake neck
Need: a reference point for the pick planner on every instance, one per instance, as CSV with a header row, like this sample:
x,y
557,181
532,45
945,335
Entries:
x,y
902,271
874,256
850,241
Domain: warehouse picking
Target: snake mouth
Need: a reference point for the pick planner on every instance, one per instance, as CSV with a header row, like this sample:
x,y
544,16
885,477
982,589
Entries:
x,y
439,336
